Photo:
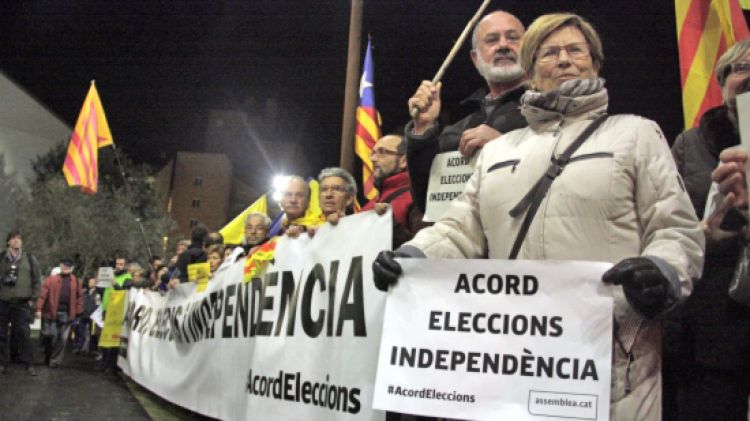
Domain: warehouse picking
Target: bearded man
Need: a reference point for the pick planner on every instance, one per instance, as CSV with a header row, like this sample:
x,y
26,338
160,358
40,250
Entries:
x,y
495,43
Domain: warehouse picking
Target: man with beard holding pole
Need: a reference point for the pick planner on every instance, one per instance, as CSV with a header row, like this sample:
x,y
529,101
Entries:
x,y
495,44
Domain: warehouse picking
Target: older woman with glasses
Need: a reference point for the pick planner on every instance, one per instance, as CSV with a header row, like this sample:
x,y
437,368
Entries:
x,y
578,185
706,344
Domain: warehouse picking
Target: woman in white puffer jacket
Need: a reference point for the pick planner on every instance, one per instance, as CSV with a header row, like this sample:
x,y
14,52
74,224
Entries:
x,y
619,199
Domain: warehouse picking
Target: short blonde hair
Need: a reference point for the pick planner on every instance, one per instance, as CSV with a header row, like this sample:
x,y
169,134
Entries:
x,y
544,25
733,55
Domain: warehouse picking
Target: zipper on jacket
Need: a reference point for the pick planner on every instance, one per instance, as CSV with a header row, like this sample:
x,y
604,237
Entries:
x,y
591,156
496,166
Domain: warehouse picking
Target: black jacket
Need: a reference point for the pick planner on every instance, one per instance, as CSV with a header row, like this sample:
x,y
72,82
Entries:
x,y
193,254
714,329
29,282
421,150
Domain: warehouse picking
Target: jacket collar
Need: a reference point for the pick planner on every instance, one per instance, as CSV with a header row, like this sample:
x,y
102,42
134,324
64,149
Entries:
x,y
583,107
480,96
717,130
394,182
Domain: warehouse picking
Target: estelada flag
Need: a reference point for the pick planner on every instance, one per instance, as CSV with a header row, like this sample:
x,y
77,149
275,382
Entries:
x,y
367,131
705,30
90,134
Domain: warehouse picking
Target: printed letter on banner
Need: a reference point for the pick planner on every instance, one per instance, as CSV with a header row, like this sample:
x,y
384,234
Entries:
x,y
496,339
300,343
448,175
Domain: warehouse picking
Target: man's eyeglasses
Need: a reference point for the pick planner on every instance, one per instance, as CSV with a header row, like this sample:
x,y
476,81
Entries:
x,y
383,152
552,53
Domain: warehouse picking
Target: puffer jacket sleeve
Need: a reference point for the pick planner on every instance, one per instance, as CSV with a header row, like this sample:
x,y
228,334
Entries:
x,y
459,232
671,230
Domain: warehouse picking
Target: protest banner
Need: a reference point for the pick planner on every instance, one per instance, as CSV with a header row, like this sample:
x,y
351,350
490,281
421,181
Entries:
x,y
497,339
113,320
448,176
105,276
300,343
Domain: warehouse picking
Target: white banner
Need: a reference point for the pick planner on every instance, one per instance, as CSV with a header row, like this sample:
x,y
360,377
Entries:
x,y
448,176
105,276
497,340
743,117
300,344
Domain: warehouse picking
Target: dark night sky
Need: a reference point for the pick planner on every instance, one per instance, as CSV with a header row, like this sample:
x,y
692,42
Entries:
x,y
160,66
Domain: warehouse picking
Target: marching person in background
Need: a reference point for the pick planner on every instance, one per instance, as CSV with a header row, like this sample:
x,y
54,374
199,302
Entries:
x,y
195,253
619,200
215,254
495,43
20,282
706,343
153,267
181,246
123,281
139,276
60,301
86,341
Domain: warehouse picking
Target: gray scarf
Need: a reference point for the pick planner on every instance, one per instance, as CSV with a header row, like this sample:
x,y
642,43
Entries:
x,y
559,99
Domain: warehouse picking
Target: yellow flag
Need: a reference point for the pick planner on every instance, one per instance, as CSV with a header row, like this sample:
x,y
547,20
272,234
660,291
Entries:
x,y
110,337
200,274
234,231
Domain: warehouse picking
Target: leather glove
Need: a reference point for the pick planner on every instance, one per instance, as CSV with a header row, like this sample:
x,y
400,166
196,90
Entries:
x,y
645,286
386,269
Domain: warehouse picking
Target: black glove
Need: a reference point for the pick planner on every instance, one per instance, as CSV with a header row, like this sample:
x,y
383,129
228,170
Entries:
x,y
386,269
645,286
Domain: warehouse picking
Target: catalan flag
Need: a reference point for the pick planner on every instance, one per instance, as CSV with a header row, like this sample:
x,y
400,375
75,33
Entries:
x,y
705,29
90,134
367,131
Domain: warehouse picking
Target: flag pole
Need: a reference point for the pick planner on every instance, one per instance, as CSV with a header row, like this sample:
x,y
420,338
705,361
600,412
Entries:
x,y
351,87
456,47
129,191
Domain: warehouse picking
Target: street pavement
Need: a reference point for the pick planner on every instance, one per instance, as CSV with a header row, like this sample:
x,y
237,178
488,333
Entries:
x,y
76,390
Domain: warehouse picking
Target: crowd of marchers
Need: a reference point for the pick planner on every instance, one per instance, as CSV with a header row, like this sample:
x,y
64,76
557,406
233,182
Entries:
x,y
555,177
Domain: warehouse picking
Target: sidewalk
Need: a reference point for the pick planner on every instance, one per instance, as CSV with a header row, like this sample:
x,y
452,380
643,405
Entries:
x,y
77,390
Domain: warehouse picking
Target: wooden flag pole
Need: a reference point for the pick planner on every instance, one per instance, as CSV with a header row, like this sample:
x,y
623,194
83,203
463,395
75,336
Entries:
x,y
128,190
352,87
457,46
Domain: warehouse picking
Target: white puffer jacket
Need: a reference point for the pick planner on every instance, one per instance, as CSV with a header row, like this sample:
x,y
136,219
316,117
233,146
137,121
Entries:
x,y
620,196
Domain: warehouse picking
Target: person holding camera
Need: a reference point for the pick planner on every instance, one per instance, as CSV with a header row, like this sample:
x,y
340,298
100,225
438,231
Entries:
x,y
20,282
